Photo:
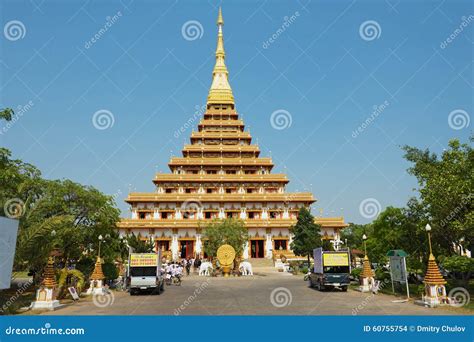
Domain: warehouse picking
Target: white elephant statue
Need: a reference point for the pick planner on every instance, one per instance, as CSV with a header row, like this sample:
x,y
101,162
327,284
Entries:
x,y
205,269
245,268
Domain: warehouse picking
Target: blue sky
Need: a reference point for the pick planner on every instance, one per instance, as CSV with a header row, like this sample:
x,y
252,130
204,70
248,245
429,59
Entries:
x,y
323,69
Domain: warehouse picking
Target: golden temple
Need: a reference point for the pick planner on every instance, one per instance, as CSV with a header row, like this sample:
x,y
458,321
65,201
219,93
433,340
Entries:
x,y
220,175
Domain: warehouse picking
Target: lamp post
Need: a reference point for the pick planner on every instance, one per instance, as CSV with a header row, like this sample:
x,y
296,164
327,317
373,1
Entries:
x,y
428,230
364,237
100,240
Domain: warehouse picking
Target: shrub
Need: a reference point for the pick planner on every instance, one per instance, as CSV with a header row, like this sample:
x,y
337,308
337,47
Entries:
x,y
110,271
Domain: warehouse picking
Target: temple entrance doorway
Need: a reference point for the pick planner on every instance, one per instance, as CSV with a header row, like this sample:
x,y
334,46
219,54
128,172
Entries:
x,y
257,249
186,248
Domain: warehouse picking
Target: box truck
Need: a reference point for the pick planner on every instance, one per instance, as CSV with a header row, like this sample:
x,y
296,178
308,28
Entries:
x,y
144,272
331,270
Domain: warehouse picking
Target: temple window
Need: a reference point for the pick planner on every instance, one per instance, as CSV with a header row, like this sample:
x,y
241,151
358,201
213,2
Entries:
x,y
141,215
164,216
251,215
168,190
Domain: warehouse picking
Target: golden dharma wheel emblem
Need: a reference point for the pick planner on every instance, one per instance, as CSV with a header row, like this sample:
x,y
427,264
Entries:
x,y
226,254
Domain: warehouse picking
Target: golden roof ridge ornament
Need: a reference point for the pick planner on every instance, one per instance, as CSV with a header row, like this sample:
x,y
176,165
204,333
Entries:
x,y
220,91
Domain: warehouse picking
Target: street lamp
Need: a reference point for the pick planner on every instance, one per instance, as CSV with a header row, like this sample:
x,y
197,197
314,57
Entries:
x,y
364,237
428,230
100,240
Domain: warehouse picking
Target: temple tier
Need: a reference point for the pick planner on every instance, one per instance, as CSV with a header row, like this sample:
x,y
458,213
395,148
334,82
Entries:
x,y
220,175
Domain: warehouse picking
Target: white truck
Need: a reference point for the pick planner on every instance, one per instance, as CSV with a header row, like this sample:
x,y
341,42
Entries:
x,y
331,270
144,271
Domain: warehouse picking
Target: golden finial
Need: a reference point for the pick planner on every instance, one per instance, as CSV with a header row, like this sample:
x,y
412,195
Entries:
x,y
220,91
220,20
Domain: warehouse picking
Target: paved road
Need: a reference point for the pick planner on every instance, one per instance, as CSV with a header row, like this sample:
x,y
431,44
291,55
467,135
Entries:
x,y
266,293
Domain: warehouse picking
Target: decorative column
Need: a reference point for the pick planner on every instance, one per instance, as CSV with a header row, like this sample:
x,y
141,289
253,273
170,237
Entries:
x,y
245,254
97,280
221,213
367,276
268,246
46,294
198,248
200,213
174,246
177,213
243,213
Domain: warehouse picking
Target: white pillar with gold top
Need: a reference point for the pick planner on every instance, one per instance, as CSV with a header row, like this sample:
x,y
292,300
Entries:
x,y
245,254
198,249
174,246
268,247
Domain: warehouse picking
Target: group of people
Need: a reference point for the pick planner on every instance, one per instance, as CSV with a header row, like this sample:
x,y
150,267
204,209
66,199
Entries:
x,y
177,268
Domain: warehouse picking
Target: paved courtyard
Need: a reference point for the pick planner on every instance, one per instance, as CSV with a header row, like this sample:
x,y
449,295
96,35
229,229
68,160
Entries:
x,y
266,293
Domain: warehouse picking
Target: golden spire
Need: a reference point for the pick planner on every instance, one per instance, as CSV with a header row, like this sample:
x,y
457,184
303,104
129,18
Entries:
x,y
49,279
367,269
97,274
220,92
220,20
433,277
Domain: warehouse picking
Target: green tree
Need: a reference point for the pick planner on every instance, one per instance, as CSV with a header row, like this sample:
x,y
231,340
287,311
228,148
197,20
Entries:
x,y
140,245
6,114
306,234
228,231
445,186
458,267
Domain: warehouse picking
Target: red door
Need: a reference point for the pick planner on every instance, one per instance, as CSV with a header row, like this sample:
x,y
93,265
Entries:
x,y
256,249
187,249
